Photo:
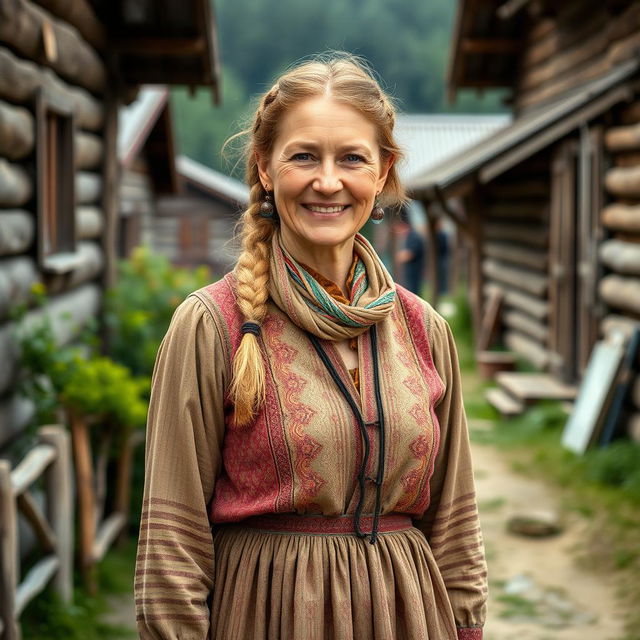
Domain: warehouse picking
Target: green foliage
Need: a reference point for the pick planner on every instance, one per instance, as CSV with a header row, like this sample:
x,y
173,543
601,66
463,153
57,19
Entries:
x,y
139,308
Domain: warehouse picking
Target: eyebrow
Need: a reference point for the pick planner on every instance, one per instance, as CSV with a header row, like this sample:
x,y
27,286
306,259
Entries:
x,y
347,148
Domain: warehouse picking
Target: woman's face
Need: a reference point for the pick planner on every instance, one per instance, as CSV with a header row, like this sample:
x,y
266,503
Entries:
x,y
325,170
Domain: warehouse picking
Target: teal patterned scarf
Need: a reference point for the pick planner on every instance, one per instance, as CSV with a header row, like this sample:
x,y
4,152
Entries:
x,y
311,307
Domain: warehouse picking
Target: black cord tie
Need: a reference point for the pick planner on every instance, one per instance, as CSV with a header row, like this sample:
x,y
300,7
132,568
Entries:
x,y
251,327
362,477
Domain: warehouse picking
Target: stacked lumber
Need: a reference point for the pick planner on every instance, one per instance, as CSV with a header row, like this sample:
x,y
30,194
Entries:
x,y
48,52
515,257
620,253
584,40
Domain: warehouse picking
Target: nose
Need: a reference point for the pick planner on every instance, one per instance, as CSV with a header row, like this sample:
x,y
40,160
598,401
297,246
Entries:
x,y
327,181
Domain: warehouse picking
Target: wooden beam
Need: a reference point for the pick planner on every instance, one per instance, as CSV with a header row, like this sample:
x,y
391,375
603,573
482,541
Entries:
x,y
80,14
31,511
510,8
161,46
490,45
31,467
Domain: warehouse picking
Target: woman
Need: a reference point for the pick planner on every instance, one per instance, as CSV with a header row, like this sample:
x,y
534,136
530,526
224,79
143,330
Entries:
x,y
308,473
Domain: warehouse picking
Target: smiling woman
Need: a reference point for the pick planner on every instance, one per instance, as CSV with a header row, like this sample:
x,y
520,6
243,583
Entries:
x,y
308,472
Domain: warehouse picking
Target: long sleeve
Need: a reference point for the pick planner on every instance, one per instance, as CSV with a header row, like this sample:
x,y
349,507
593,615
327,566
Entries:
x,y
451,524
185,427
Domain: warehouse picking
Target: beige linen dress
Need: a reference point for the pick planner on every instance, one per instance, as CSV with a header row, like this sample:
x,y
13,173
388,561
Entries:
x,y
203,573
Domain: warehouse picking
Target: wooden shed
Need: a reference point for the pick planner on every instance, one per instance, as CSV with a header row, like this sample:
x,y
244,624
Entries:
x,y
552,202
173,204
66,66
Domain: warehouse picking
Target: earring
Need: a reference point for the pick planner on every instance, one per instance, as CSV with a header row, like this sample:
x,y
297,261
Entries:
x,y
266,208
377,214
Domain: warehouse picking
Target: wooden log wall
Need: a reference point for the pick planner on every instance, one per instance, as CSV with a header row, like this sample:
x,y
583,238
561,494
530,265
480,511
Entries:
x,y
49,45
584,40
620,253
515,256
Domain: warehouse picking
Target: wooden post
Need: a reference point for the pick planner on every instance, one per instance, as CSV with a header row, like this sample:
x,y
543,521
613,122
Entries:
x,y
86,497
60,509
475,236
8,554
432,253
123,479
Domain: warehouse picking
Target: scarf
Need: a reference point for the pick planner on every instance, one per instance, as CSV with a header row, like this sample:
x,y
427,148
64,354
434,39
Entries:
x,y
309,306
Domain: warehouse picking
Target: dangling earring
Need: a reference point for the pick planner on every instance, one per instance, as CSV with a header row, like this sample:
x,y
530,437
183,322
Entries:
x,y
377,214
266,208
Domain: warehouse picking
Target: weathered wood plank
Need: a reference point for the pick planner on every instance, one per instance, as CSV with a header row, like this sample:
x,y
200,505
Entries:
x,y
35,581
536,307
88,188
21,79
17,231
17,276
88,150
623,182
89,222
515,189
30,468
25,27
31,511
9,561
17,132
622,217
625,138
80,14
16,187
523,279
107,533
621,257
520,210
519,255
90,266
528,348
527,325
535,386
532,235
621,292
60,508
621,324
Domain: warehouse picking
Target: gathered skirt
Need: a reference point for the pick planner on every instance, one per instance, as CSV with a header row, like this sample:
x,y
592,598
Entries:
x,y
300,586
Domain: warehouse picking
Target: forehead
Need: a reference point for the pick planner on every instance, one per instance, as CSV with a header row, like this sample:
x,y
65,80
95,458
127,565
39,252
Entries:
x,y
324,119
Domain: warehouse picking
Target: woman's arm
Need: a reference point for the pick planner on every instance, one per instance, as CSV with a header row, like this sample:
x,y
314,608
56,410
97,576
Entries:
x,y
175,562
451,523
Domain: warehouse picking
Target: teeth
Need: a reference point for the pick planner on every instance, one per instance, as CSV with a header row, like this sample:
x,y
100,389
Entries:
x,y
326,209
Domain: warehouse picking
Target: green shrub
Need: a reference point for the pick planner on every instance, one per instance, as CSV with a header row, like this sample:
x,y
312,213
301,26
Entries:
x,y
140,306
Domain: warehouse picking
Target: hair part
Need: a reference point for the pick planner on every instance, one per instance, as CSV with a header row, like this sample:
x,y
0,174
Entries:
x,y
346,78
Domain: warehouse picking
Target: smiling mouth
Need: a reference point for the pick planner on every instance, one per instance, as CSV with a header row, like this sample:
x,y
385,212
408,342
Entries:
x,y
332,209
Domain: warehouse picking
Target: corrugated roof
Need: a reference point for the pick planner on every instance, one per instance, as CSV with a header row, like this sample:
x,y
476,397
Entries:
x,y
136,120
429,139
218,183
527,135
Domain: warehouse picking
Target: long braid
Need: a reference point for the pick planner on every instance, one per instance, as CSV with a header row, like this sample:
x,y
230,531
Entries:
x,y
252,271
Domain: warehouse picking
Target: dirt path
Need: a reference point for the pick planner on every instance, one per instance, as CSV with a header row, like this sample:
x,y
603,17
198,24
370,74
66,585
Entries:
x,y
538,590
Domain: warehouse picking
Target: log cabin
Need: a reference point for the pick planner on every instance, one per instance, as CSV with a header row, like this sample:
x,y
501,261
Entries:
x,y
66,67
176,206
551,202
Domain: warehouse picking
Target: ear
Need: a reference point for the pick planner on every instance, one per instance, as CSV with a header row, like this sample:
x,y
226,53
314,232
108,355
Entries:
x,y
263,169
387,163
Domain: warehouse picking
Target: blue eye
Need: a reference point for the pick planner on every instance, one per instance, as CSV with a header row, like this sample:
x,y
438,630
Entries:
x,y
354,157
301,156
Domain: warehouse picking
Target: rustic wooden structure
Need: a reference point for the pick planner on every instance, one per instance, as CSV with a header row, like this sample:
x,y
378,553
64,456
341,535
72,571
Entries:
x,y
99,526
66,67
175,205
50,460
552,201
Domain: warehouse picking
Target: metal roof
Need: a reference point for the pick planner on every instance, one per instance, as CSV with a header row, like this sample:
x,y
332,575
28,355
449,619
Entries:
x,y
213,181
429,139
527,135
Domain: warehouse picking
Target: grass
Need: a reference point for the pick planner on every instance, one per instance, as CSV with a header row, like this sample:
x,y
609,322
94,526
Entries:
x,y
603,485
47,618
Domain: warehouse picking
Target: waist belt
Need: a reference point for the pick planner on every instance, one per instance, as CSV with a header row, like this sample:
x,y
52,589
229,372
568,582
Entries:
x,y
326,525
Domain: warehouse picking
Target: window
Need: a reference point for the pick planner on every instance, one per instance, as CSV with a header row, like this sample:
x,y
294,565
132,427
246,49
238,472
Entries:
x,y
55,193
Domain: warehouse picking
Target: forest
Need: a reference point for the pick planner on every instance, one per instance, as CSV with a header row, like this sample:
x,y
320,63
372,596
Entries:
x,y
405,41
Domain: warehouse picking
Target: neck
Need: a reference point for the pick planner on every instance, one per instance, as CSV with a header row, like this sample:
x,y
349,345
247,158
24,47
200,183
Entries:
x,y
332,262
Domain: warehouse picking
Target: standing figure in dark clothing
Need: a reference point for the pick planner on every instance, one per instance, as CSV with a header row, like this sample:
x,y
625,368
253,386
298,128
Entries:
x,y
412,256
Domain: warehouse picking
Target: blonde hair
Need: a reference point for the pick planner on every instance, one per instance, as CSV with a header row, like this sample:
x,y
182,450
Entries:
x,y
346,79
